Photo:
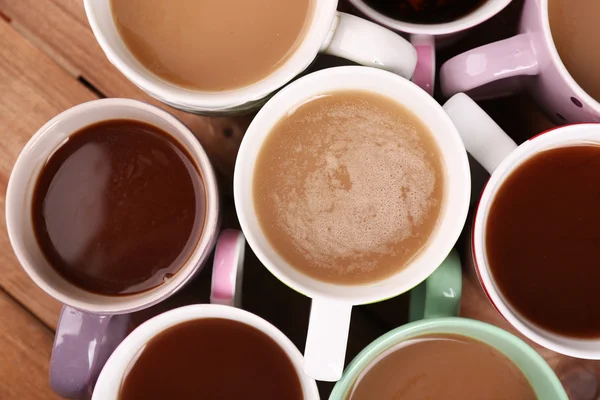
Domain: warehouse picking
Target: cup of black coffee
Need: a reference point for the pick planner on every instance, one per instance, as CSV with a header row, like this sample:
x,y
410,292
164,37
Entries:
x,y
111,207
534,239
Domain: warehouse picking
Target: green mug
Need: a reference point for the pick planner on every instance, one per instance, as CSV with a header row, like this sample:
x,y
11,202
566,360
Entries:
x,y
434,308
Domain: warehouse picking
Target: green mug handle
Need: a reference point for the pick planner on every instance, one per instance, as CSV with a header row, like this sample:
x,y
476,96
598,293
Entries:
x,y
439,295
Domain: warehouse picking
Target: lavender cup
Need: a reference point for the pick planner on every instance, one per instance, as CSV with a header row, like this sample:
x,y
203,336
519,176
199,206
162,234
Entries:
x,y
528,61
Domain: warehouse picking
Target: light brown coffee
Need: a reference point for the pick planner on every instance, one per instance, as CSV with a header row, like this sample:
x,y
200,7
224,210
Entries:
x,y
574,25
212,45
448,367
348,188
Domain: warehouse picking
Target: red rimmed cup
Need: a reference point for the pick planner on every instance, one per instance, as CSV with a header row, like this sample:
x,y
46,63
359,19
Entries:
x,y
500,156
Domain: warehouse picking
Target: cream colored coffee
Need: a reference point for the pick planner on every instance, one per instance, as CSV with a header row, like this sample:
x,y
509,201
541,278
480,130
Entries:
x,y
212,45
574,25
348,188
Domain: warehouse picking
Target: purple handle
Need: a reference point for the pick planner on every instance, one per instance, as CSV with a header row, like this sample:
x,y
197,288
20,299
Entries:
x,y
84,341
82,344
424,75
490,64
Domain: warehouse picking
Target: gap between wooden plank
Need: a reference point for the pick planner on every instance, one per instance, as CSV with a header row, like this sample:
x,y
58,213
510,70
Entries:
x,y
27,310
91,87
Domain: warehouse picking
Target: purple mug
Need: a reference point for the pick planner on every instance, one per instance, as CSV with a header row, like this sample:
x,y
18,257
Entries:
x,y
529,61
91,325
427,37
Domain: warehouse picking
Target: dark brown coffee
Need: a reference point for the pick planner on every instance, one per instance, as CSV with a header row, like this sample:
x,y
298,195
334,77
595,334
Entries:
x,y
119,207
425,11
212,359
543,241
443,366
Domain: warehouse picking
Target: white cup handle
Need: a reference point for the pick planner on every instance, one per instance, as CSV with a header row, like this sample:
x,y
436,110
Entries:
x,y
366,43
483,138
325,350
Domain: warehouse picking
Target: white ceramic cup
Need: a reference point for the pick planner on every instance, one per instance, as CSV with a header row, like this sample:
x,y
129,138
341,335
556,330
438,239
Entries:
x,y
332,304
427,37
493,149
22,184
329,32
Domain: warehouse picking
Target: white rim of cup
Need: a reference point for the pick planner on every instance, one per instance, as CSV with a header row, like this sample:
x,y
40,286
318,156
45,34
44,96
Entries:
x,y
111,377
555,138
103,303
446,232
560,66
319,28
476,17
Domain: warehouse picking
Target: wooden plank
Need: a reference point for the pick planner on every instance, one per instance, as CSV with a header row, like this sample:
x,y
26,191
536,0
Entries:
x,y
34,89
26,347
57,28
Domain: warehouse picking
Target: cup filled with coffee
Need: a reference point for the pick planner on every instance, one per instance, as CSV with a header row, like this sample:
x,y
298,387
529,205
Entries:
x,y
208,350
111,207
431,24
446,357
215,57
550,57
534,240
351,186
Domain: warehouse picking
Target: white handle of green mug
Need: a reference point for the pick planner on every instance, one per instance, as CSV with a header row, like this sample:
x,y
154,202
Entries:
x,y
483,138
326,341
369,44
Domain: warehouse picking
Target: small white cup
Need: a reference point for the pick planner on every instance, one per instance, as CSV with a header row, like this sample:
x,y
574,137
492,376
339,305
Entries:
x,y
500,156
332,304
329,32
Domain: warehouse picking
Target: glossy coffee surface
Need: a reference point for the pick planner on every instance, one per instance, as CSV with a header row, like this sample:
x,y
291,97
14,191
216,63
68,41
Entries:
x,y
543,243
119,207
212,359
425,11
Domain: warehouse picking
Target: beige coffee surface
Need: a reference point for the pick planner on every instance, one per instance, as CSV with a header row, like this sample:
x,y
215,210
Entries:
x,y
348,188
212,45
575,26
448,367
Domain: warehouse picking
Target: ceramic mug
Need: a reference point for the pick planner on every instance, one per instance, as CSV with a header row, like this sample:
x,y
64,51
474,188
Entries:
x,y
331,303
529,61
427,37
330,32
433,311
104,319
500,156
226,285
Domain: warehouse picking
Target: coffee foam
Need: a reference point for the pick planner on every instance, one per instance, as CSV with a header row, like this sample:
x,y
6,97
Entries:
x,y
362,186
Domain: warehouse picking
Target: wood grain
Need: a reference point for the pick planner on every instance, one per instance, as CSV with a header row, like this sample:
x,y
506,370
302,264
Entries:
x,y
60,30
26,345
34,89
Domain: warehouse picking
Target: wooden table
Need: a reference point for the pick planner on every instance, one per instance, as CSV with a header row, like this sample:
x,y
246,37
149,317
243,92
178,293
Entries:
x,y
50,61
